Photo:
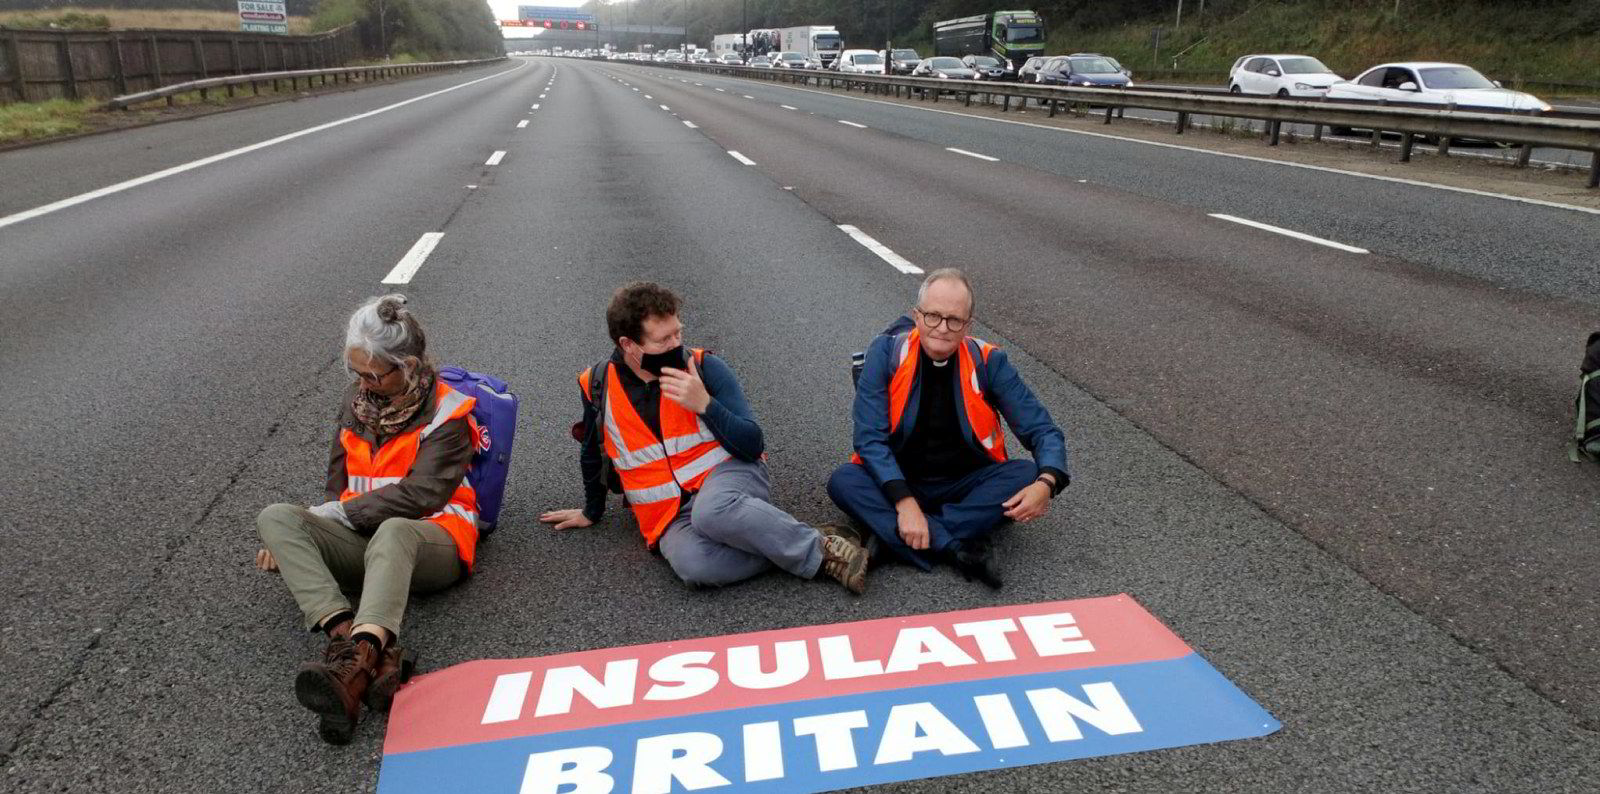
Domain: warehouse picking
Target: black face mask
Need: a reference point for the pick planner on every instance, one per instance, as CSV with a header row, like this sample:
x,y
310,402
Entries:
x,y
653,362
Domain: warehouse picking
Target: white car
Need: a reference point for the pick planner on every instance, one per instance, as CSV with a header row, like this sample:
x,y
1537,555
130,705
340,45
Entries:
x,y
1281,75
790,60
860,62
1434,83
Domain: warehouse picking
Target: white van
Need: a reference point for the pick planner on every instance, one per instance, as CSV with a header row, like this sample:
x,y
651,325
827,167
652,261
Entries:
x,y
861,62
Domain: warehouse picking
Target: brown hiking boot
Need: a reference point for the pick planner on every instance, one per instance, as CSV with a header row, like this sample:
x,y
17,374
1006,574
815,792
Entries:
x,y
845,561
844,531
332,687
395,667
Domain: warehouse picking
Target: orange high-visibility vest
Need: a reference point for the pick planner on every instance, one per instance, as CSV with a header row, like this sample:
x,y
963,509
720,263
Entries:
x,y
367,472
655,473
981,417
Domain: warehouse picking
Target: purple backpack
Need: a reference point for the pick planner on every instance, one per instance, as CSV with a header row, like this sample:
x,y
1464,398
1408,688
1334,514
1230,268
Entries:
x,y
495,413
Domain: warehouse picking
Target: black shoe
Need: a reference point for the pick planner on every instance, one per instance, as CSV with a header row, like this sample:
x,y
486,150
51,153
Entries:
x,y
975,560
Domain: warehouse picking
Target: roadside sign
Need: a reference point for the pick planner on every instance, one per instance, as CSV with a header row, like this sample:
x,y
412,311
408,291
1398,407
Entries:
x,y
818,708
263,16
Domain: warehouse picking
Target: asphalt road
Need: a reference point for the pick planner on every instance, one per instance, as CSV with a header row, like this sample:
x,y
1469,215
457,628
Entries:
x,y
1337,475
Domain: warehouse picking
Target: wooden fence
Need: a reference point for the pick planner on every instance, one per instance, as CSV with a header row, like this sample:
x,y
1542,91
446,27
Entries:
x,y
37,65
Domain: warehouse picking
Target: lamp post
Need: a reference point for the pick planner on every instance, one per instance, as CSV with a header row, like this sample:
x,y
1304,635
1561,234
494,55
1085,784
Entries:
x,y
744,31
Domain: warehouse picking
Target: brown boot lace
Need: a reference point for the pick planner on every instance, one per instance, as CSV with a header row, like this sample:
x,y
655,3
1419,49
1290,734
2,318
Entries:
x,y
845,561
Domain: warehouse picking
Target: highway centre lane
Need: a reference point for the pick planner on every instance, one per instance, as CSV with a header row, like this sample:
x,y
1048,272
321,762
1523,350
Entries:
x,y
1508,242
157,338
603,192
1406,420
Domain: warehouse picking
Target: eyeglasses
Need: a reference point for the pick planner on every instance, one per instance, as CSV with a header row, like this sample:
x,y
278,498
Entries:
x,y
932,321
368,377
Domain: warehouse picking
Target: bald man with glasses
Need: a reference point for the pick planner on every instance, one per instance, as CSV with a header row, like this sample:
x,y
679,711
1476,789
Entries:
x,y
931,476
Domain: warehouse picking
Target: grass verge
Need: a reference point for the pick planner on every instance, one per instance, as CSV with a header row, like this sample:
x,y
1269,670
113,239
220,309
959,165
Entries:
x,y
124,19
32,120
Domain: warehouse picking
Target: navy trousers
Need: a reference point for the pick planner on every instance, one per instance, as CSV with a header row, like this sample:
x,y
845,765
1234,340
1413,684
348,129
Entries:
x,y
958,509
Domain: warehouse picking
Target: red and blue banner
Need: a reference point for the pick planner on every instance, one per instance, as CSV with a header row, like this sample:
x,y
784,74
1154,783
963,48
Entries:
x,y
817,708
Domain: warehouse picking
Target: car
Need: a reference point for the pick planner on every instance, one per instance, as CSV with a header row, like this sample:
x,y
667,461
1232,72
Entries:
x,y
760,62
730,59
1029,68
945,68
1281,75
1434,83
859,62
1114,61
988,67
902,61
1086,71
790,60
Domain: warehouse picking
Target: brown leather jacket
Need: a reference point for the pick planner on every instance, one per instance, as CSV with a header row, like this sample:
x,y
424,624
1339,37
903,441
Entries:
x,y
442,460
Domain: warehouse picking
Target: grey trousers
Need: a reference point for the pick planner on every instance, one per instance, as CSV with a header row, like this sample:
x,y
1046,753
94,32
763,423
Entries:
x,y
730,531
321,560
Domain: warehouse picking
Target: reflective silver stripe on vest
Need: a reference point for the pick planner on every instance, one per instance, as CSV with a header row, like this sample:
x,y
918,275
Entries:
x,y
447,406
702,464
628,459
655,493
369,484
459,512
678,444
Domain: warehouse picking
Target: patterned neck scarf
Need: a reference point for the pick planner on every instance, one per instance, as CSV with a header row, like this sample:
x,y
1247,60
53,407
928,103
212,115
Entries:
x,y
386,416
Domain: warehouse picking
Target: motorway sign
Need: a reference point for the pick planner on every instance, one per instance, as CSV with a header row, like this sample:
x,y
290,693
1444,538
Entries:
x,y
819,708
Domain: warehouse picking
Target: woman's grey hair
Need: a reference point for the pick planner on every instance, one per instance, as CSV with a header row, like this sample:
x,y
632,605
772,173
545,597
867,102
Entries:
x,y
385,329
949,274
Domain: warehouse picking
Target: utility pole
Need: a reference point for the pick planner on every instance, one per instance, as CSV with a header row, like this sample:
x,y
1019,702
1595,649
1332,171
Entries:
x,y
1178,25
744,31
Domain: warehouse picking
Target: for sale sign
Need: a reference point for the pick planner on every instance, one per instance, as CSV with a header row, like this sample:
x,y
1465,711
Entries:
x,y
263,17
817,708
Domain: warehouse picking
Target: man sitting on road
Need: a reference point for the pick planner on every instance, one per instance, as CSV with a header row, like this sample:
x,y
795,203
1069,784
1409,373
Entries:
x,y
678,434
930,476
399,517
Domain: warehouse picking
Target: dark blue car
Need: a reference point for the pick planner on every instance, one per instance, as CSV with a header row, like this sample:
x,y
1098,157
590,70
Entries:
x,y
1087,71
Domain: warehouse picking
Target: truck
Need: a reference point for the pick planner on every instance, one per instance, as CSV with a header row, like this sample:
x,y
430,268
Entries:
x,y
724,43
819,43
764,41
1011,36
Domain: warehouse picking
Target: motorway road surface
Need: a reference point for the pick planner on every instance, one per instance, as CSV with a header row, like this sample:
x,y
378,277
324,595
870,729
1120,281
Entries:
x,y
1338,475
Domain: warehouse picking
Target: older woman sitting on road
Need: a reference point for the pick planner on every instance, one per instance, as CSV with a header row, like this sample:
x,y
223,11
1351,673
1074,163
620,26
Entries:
x,y
400,517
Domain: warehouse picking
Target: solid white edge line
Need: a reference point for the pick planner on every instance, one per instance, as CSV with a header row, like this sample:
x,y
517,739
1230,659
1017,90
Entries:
x,y
494,159
408,264
522,123
895,260
741,158
1180,147
1290,233
852,124
691,125
81,198
972,154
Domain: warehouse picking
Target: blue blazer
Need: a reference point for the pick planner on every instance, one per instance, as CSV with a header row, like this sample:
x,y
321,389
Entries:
x,y
1002,385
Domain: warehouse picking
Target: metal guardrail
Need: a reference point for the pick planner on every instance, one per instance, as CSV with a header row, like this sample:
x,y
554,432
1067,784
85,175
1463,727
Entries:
x,y
1576,131
345,74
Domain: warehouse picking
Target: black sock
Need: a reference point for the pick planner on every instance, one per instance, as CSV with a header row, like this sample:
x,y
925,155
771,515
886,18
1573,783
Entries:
x,y
369,637
336,620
